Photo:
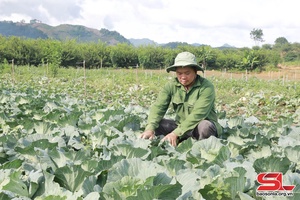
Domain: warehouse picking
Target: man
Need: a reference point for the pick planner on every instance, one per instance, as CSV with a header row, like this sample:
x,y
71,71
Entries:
x,y
192,97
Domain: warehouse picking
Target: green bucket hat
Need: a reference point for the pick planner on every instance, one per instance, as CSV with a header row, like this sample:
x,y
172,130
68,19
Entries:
x,y
185,59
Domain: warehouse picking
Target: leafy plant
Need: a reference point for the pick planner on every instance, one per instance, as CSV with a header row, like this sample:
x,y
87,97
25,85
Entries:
x,y
55,142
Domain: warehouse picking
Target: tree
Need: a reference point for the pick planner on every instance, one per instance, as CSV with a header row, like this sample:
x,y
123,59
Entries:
x,y
281,41
89,54
123,55
151,57
34,51
250,60
52,52
257,36
228,59
285,48
206,56
103,53
70,53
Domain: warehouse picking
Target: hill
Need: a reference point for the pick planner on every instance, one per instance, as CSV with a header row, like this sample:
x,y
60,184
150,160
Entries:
x,y
35,29
141,42
62,32
20,30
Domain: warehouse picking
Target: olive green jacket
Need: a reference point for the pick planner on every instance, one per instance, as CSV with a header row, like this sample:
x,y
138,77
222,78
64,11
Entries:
x,y
190,106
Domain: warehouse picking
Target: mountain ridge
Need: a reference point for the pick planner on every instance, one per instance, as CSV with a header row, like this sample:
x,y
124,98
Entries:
x,y
36,29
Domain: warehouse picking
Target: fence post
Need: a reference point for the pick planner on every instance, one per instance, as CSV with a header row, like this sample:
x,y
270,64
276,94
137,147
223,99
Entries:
x,y
13,71
84,78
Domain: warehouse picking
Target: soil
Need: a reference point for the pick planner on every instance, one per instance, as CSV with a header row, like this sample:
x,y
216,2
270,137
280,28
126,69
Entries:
x,y
285,74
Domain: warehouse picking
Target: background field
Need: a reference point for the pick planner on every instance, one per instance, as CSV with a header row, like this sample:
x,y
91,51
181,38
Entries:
x,y
119,87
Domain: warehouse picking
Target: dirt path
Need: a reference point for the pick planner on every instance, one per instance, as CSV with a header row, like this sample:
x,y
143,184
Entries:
x,y
284,74
290,74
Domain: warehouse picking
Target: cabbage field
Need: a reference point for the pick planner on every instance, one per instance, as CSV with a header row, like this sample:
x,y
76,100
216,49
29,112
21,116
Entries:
x,y
73,134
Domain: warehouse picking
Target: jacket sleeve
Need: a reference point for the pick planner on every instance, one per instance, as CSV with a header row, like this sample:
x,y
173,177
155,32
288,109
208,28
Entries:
x,y
201,110
159,108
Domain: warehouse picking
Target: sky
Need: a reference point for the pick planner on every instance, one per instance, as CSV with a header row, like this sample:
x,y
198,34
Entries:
x,y
209,22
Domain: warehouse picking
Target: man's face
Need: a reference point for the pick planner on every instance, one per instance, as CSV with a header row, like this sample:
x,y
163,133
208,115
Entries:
x,y
186,75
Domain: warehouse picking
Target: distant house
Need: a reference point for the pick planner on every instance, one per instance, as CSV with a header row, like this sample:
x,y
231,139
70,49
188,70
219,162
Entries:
x,y
34,21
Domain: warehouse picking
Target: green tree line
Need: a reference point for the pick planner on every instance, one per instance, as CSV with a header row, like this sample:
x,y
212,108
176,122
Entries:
x,y
69,53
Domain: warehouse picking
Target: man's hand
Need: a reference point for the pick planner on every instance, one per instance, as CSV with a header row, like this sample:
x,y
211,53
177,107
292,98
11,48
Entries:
x,y
172,138
148,135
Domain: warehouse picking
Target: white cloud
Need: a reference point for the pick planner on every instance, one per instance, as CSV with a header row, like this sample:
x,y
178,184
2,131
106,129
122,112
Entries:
x,y
213,22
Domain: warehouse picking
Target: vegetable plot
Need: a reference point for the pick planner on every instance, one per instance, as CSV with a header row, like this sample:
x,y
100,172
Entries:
x,y
56,146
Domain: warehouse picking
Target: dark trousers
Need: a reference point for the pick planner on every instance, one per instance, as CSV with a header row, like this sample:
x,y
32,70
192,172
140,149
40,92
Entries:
x,y
203,130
